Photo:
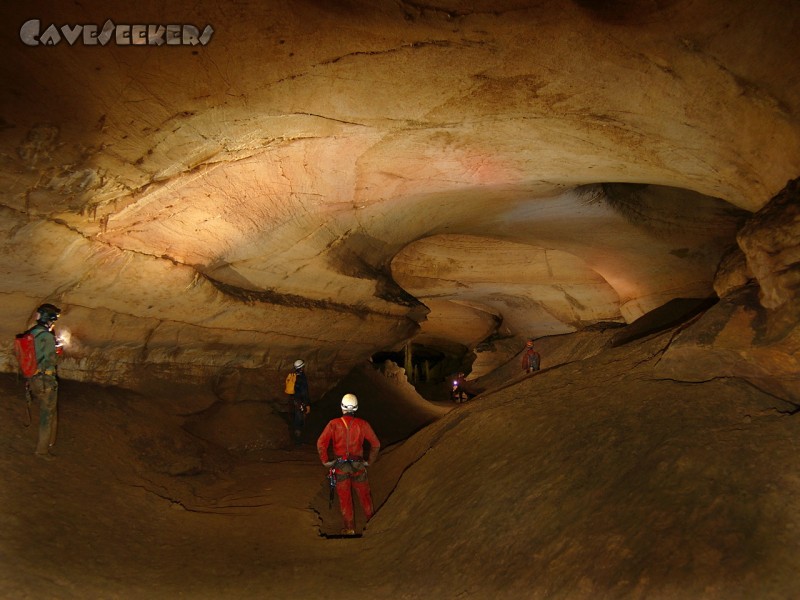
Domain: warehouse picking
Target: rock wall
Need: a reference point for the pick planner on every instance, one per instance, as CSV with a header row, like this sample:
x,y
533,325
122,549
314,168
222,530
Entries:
x,y
753,333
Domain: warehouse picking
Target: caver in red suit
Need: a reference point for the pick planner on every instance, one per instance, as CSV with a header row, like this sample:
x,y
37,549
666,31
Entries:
x,y
530,358
347,434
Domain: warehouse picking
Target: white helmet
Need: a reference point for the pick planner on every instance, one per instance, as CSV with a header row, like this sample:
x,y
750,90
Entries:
x,y
299,363
349,403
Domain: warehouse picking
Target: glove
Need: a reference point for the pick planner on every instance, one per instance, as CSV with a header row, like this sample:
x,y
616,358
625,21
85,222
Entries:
x,y
330,463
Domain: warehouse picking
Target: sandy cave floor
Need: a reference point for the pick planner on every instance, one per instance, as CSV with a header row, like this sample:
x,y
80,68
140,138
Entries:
x,y
574,484
134,507
94,523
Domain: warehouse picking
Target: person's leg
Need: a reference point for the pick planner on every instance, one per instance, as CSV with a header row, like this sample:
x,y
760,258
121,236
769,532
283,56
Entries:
x,y
344,490
53,415
298,419
361,484
46,392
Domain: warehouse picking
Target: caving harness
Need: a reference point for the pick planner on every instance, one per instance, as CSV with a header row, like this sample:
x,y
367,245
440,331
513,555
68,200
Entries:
x,y
346,464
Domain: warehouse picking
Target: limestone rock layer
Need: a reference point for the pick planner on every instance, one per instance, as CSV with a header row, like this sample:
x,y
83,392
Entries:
x,y
330,180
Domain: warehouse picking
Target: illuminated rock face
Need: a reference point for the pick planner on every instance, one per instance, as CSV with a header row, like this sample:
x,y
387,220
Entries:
x,y
319,179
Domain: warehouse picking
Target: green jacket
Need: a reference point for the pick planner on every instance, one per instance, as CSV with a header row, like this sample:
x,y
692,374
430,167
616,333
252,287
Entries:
x,y
45,344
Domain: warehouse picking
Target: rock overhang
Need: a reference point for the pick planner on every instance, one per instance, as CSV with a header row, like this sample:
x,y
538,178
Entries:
x,y
256,199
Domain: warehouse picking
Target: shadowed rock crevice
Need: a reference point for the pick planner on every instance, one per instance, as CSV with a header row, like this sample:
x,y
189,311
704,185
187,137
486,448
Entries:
x,y
627,12
364,257
278,298
663,317
667,211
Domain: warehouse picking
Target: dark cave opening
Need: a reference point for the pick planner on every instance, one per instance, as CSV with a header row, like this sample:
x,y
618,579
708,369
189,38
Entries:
x,y
422,364
428,368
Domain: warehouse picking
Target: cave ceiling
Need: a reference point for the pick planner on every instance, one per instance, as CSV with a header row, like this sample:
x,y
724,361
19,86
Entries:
x,y
334,179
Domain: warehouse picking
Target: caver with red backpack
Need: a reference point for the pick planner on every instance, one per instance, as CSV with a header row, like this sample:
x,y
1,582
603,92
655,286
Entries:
x,y
37,352
347,434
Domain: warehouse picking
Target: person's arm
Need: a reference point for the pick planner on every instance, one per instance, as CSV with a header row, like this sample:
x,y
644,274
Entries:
x,y
323,442
374,443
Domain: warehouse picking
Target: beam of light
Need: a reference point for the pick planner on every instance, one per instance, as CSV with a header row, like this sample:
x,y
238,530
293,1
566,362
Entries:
x,y
64,338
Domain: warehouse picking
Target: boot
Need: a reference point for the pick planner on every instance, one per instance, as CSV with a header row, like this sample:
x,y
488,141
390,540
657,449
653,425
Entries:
x,y
349,528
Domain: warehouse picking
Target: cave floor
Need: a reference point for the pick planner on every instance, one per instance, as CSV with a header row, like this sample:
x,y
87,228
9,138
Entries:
x,y
119,512
619,485
93,523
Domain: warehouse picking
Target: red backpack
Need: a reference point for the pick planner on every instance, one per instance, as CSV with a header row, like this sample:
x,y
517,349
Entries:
x,y
25,349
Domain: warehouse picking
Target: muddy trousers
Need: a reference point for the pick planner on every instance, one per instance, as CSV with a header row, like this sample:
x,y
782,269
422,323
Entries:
x,y
44,390
298,421
345,483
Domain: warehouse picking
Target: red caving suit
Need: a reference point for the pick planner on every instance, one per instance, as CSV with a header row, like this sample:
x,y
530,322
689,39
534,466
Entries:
x,y
347,433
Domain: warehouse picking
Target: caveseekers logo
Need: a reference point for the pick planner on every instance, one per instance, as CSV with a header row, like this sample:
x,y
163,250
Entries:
x,y
31,34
